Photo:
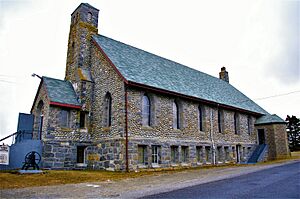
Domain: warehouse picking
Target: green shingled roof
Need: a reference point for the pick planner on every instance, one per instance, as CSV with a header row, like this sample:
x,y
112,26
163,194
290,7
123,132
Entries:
x,y
269,119
60,91
145,68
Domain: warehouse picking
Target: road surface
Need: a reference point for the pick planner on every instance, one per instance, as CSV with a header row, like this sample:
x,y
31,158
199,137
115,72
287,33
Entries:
x,y
277,182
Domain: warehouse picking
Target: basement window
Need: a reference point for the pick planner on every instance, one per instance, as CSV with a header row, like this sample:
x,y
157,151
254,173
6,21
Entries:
x,y
80,154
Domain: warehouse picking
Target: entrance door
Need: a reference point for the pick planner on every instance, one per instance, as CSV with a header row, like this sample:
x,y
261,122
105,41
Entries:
x,y
261,136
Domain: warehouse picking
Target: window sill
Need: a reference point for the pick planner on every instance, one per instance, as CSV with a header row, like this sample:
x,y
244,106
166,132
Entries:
x,y
106,129
81,165
155,165
83,130
184,164
66,129
177,130
142,166
147,128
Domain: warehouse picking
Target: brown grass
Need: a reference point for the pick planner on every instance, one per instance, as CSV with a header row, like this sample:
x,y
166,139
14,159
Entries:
x,y
12,179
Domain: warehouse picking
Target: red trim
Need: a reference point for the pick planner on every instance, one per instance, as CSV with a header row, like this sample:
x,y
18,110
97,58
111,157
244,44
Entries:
x,y
65,105
134,84
111,63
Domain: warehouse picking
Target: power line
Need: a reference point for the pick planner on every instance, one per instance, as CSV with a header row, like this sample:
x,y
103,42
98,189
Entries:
x,y
278,95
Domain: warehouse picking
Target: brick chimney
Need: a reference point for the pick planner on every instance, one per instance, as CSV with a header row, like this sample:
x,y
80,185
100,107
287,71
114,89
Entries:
x,y
223,75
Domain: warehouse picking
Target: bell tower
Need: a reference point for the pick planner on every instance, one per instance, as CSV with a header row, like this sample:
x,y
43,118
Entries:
x,y
84,23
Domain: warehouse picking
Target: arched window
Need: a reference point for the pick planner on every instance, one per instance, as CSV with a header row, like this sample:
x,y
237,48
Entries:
x,y
200,115
236,123
249,124
176,124
220,121
89,17
146,110
107,110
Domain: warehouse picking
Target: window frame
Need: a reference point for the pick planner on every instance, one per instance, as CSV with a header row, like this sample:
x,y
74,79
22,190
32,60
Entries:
x,y
200,118
199,152
249,124
144,154
155,154
184,154
176,115
108,110
65,121
174,154
82,119
146,116
236,123
220,120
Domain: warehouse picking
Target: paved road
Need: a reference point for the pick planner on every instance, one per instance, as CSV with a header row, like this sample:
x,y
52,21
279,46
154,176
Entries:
x,y
277,182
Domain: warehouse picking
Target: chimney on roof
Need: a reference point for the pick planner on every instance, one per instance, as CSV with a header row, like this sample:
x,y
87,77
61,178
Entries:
x,y
223,75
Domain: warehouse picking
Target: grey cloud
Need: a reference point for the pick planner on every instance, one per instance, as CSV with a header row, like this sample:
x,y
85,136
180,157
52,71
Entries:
x,y
286,66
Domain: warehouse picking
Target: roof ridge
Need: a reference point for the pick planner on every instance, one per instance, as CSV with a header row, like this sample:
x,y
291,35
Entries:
x,y
54,79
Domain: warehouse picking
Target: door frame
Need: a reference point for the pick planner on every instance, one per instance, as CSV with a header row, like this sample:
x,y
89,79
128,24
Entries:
x,y
261,136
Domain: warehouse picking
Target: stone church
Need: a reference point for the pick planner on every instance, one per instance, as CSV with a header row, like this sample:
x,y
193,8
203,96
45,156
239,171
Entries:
x,y
122,108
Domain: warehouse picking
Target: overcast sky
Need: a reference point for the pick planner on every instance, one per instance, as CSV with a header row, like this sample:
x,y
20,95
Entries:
x,y
256,40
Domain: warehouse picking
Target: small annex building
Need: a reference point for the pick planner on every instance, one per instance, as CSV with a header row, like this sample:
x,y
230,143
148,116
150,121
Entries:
x,y
122,108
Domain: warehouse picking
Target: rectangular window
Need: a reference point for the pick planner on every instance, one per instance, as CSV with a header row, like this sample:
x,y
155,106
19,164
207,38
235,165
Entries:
x,y
199,153
174,154
80,154
142,154
227,156
82,119
184,153
207,154
155,154
219,154
65,118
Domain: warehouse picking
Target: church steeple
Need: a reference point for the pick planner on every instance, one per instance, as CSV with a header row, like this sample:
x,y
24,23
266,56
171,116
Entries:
x,y
84,23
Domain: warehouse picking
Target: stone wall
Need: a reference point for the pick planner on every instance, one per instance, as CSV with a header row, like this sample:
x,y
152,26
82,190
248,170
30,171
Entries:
x,y
41,98
161,132
107,81
281,141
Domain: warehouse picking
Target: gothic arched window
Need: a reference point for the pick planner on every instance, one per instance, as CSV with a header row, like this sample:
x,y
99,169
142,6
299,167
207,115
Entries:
x,y
146,110
200,112
220,121
107,109
176,124
236,122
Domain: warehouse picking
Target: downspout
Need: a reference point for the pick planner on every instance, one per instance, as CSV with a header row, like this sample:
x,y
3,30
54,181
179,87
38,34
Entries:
x,y
212,137
126,129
